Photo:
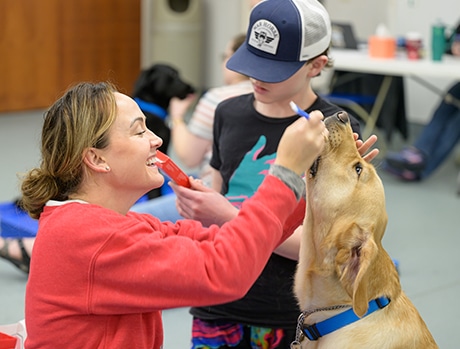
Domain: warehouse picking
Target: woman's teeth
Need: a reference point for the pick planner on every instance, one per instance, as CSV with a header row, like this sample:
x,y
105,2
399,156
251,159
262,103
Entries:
x,y
151,162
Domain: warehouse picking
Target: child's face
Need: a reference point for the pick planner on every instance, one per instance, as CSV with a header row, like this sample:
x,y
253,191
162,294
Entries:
x,y
268,93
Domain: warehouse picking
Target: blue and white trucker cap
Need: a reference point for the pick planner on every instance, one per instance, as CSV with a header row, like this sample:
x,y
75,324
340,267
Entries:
x,y
282,35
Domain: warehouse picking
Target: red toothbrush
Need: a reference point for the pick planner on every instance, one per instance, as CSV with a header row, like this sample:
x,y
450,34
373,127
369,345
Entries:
x,y
172,170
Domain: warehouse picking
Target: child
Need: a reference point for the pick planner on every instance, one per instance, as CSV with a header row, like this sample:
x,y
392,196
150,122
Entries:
x,y
286,46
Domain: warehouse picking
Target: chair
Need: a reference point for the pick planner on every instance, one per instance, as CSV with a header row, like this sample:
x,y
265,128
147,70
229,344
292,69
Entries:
x,y
323,85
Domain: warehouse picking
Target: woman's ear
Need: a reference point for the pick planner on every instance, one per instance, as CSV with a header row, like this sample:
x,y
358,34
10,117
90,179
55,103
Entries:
x,y
95,161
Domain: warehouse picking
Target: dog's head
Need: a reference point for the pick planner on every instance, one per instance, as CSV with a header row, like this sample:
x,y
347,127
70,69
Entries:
x,y
159,83
346,213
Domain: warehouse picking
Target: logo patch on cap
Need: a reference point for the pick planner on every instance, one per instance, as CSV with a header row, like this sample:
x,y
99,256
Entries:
x,y
264,36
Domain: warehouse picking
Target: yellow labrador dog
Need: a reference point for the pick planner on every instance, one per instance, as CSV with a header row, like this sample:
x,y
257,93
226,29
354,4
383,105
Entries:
x,y
346,284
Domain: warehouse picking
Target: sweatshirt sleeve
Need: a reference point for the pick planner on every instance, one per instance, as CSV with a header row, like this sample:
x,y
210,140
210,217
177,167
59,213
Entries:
x,y
160,271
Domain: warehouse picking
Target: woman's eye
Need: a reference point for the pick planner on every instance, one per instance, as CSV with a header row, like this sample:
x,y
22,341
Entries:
x,y
141,132
358,168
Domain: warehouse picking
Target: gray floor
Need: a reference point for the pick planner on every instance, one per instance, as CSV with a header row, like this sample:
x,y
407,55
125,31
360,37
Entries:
x,y
422,234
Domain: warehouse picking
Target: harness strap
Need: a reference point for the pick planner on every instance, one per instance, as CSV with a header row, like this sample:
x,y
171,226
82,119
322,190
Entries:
x,y
151,108
320,329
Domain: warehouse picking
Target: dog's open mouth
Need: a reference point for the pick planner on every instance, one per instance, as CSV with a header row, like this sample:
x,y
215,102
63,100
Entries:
x,y
314,167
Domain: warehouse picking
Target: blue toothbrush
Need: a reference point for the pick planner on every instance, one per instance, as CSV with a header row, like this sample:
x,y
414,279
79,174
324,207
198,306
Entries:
x,y
299,111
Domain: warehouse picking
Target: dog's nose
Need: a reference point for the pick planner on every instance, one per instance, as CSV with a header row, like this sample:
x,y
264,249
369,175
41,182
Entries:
x,y
343,116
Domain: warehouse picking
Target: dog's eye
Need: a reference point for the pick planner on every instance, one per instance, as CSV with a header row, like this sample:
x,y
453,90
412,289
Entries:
x,y
358,168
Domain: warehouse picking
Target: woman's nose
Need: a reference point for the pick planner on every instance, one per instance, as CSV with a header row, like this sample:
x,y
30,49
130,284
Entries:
x,y
155,141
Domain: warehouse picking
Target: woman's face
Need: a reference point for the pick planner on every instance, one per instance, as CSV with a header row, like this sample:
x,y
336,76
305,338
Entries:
x,y
131,154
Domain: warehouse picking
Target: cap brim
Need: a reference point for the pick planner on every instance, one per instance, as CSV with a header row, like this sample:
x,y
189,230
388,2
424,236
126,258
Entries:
x,y
245,62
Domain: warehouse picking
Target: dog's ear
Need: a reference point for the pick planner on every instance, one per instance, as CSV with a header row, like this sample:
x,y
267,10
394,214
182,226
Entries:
x,y
159,83
162,79
143,80
356,251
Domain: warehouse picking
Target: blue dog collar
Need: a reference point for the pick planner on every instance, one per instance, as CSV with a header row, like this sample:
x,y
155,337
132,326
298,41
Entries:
x,y
151,108
320,329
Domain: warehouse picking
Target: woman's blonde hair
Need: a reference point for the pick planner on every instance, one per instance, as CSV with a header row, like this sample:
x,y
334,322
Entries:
x,y
80,119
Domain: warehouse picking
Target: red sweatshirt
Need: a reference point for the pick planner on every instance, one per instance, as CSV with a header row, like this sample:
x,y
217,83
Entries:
x,y
100,279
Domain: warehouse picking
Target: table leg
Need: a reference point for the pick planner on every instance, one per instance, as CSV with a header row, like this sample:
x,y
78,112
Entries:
x,y
377,107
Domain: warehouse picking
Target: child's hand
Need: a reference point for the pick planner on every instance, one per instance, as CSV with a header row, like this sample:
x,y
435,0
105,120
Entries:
x,y
363,147
203,204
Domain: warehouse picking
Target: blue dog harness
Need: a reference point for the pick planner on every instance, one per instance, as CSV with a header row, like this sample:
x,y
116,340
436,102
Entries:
x,y
151,108
320,329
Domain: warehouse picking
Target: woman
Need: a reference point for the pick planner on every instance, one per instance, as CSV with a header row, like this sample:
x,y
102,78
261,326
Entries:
x,y
100,275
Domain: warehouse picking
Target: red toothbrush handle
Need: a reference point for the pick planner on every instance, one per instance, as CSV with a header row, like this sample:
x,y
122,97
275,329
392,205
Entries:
x,y
172,170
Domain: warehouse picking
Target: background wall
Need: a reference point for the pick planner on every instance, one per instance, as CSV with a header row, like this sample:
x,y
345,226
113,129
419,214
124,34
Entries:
x,y
419,15
47,45
221,20
19,150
